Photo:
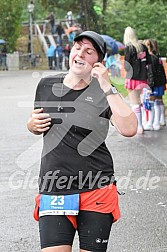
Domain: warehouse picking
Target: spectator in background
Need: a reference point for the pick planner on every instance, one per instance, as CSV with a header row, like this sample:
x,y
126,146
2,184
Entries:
x,y
113,64
0,58
136,62
58,56
59,32
118,64
4,58
157,84
69,17
66,52
71,37
51,19
81,20
50,55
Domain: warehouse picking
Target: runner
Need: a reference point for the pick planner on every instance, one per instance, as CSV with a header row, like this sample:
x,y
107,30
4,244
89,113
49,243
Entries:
x,y
77,189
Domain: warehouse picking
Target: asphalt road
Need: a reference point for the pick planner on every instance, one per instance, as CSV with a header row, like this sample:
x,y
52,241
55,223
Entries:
x,y
140,168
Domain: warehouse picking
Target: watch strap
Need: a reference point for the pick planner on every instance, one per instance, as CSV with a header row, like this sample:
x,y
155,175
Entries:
x,y
111,91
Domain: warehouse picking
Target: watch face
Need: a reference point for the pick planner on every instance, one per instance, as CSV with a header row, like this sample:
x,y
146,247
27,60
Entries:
x,y
114,90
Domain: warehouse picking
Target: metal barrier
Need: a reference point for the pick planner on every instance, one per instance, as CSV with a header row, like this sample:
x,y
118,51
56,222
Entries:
x,y
28,62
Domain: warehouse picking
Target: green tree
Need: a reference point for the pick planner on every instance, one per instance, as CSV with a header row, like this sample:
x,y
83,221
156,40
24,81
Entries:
x,y
147,17
10,21
85,7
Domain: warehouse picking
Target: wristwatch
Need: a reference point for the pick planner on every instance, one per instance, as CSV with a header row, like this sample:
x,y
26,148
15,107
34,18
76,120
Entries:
x,y
112,90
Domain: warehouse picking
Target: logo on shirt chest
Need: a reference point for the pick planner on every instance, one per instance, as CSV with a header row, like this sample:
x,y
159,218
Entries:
x,y
89,99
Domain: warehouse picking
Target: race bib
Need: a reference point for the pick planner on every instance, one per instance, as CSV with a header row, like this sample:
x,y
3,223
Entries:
x,y
59,205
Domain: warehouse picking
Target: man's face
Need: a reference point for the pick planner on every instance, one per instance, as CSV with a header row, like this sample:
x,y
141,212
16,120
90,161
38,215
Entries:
x,y
82,57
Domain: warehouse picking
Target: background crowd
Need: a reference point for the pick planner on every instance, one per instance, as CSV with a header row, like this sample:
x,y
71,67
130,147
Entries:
x,y
145,75
145,81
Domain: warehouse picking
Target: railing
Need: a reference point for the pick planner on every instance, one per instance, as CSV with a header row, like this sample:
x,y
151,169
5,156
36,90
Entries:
x,y
41,38
28,62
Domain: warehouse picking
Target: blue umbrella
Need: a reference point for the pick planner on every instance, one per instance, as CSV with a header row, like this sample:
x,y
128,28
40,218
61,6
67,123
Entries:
x,y
120,45
111,43
2,41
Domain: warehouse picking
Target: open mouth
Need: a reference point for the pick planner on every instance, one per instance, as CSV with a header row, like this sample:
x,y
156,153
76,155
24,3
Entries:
x,y
78,62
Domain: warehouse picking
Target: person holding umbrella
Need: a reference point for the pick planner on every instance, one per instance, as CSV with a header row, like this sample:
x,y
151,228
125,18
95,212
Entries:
x,y
4,57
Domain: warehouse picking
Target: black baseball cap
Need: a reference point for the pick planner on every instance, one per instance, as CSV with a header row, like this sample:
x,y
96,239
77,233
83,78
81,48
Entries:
x,y
98,40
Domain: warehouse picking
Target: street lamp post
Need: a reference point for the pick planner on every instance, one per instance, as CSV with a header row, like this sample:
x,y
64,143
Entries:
x,y
30,8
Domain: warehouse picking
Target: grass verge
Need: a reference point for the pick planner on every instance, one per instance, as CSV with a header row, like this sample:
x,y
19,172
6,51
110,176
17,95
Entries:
x,y
119,84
